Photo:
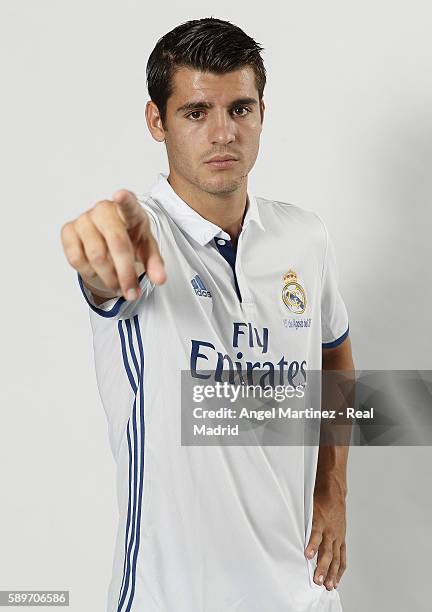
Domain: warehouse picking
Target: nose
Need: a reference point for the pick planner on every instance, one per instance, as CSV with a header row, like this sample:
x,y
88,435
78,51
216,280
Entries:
x,y
221,128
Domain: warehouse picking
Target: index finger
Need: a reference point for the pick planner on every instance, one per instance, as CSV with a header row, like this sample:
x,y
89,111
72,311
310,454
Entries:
x,y
112,228
148,252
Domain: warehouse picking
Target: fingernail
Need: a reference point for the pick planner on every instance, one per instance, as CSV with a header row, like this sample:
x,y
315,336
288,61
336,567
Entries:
x,y
311,552
336,585
330,585
321,579
131,294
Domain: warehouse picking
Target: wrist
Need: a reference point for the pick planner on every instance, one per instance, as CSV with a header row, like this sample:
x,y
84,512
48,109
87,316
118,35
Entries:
x,y
332,482
100,290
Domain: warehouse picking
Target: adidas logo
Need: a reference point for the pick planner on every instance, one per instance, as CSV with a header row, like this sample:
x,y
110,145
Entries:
x,y
199,287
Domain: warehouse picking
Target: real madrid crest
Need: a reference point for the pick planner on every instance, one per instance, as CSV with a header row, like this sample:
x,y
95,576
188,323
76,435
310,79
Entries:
x,y
293,294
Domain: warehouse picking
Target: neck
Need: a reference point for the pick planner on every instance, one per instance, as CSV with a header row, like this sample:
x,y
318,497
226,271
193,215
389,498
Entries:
x,y
225,210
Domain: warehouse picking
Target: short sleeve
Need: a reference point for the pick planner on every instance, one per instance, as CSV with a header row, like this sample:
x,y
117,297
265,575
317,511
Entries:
x,y
334,316
118,307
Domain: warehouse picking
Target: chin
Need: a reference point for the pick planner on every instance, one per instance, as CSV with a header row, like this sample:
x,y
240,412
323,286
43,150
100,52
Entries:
x,y
225,186
221,184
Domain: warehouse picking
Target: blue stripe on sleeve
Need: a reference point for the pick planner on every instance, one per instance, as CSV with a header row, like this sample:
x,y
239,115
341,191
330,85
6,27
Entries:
x,y
334,343
105,313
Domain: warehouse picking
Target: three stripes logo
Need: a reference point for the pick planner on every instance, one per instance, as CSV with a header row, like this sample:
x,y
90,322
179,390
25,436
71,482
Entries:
x,y
199,287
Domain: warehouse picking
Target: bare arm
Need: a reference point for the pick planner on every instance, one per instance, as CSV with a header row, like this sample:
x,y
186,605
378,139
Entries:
x,y
329,511
332,460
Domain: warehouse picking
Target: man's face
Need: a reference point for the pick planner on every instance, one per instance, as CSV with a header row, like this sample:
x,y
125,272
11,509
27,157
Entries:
x,y
212,115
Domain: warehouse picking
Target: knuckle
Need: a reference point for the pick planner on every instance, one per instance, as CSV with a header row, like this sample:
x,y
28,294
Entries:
x,y
65,229
84,216
117,239
69,236
325,557
82,220
329,540
324,563
96,254
101,211
74,257
322,570
326,546
103,204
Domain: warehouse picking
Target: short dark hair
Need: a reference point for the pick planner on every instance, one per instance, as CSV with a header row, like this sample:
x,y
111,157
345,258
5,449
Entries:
x,y
207,44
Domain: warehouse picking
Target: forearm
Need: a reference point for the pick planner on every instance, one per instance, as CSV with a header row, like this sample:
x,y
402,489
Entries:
x,y
332,469
333,455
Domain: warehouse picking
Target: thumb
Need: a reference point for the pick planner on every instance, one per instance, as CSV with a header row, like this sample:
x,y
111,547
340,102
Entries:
x,y
128,207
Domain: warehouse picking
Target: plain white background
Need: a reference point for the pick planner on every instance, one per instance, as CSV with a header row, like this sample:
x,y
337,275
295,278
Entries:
x,y
347,133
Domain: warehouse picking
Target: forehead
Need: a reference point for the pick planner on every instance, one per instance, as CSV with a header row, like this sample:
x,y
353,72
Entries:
x,y
189,83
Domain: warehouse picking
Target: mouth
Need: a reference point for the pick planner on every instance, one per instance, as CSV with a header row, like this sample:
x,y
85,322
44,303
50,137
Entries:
x,y
222,163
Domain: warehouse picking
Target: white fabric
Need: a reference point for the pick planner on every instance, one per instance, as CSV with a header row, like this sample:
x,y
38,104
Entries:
x,y
215,528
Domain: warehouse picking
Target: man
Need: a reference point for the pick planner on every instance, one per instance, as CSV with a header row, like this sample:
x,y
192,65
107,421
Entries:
x,y
195,273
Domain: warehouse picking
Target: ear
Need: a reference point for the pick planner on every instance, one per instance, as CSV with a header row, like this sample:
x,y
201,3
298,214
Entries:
x,y
154,121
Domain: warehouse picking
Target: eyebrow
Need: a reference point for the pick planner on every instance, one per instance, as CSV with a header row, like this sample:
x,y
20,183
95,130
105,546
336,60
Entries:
x,y
189,106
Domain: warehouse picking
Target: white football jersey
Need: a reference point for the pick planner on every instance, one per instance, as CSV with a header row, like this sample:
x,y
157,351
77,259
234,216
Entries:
x,y
214,528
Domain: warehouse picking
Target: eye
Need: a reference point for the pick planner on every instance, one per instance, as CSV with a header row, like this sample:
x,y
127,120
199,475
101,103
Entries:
x,y
242,108
193,113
